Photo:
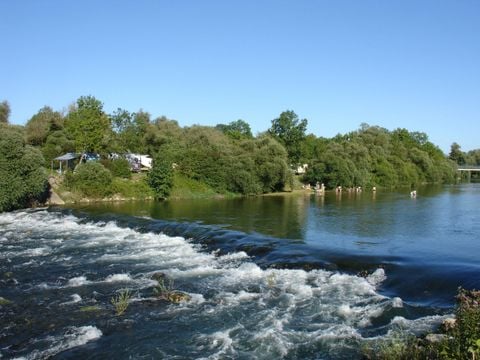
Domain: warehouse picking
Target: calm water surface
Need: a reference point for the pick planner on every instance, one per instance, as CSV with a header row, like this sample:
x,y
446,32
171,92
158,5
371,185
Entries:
x,y
295,277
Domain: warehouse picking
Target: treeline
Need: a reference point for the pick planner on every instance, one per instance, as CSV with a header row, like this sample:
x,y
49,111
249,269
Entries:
x,y
228,157
460,157
374,156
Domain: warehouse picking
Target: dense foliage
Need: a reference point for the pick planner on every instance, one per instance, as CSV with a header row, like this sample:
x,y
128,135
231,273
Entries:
x,y
374,156
228,158
91,179
23,179
88,125
118,167
160,178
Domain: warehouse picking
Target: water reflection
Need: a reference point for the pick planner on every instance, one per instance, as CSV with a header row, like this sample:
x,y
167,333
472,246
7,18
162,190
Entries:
x,y
276,216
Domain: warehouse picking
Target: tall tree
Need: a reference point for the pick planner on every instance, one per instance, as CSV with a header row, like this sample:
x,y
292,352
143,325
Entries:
x,y
238,129
42,124
290,131
23,180
88,124
127,131
456,154
4,112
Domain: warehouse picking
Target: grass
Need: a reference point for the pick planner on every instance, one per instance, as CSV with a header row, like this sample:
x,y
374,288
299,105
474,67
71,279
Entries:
x,y
135,188
186,188
121,301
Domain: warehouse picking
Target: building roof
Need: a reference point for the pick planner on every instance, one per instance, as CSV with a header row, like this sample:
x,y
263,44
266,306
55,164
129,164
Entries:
x,y
67,156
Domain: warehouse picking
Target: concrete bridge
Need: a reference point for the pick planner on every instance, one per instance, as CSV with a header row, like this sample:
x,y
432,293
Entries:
x,y
468,168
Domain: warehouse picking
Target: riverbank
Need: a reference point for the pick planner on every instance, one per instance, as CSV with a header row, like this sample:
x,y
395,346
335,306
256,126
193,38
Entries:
x,y
134,189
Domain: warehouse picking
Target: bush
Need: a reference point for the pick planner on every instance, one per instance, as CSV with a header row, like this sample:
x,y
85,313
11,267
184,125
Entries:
x,y
463,341
23,180
91,179
118,167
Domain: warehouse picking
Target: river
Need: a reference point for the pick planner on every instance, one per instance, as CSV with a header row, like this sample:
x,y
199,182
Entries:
x,y
291,276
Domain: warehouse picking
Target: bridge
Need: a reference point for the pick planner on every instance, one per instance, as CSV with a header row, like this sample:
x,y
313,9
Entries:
x,y
468,168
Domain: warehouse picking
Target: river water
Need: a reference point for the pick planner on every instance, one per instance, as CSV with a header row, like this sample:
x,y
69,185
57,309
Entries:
x,y
295,277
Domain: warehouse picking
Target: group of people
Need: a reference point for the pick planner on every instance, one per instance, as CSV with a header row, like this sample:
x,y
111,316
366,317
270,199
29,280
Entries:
x,y
320,189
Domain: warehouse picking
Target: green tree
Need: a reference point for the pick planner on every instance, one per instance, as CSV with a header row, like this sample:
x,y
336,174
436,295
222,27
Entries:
x,y
473,157
88,125
129,129
23,180
160,133
289,130
237,130
271,166
160,177
41,125
57,144
4,112
456,154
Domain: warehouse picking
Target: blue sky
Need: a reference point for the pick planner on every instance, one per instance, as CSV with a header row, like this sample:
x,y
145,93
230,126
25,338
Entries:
x,y
412,64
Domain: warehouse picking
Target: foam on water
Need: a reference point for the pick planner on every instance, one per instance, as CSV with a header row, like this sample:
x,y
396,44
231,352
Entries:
x,y
73,337
249,310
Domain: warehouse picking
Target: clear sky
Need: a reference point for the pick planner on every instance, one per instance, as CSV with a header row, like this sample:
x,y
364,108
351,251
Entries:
x,y
339,63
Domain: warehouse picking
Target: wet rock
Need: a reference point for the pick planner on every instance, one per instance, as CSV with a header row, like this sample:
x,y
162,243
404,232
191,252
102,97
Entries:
x,y
159,276
90,308
177,297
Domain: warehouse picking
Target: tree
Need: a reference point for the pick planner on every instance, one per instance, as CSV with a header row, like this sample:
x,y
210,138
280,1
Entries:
x,y
237,130
160,177
57,144
271,166
23,180
290,131
4,112
42,124
88,124
456,154
128,133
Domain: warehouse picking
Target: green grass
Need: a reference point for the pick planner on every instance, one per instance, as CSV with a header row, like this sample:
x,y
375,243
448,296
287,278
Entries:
x,y
120,301
136,187
186,188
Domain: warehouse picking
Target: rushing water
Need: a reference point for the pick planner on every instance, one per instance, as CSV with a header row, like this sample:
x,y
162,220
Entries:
x,y
294,277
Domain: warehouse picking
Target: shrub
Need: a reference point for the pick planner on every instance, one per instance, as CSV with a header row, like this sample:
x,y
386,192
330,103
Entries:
x,y
464,339
91,179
